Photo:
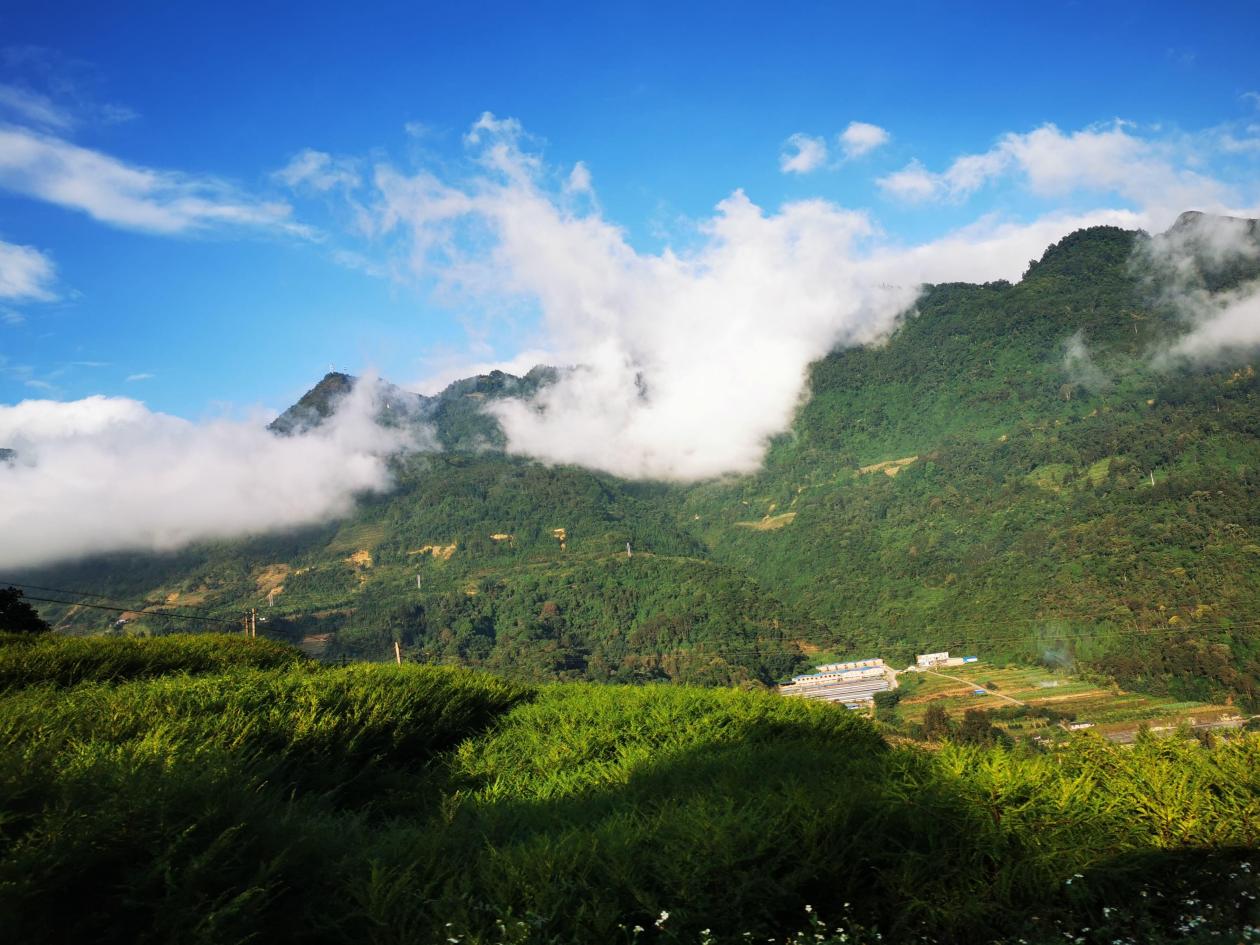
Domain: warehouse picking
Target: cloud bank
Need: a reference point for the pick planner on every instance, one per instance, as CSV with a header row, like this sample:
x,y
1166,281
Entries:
x,y
690,359
107,474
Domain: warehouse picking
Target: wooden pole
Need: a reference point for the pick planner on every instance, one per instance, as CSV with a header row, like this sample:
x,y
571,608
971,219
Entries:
x,y
398,652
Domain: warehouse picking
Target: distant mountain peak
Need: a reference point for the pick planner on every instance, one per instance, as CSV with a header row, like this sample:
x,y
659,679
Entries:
x,y
1194,219
315,406
456,412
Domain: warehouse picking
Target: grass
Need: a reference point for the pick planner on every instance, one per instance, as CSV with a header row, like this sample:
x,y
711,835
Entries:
x,y
377,804
26,660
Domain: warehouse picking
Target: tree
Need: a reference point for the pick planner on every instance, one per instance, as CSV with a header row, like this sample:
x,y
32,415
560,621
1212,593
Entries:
x,y
936,723
17,616
976,729
886,704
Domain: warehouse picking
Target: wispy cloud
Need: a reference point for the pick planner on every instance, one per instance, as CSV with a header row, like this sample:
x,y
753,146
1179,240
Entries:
x,y
802,153
50,168
1160,175
26,274
33,107
861,138
319,171
132,378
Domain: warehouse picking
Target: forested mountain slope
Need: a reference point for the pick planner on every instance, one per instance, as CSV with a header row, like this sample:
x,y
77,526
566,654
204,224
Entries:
x,y
1017,471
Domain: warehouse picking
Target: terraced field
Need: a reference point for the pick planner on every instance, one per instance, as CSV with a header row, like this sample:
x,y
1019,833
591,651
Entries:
x,y
1108,710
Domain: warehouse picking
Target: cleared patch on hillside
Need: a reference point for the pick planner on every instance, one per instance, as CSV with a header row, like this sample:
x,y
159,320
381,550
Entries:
x,y
441,552
271,576
889,467
1049,477
361,559
353,537
188,598
770,523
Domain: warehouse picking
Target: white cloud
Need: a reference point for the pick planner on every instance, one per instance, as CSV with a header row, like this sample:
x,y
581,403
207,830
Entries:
x,y
319,171
690,360
1227,323
49,168
990,248
132,378
802,154
862,138
1156,176
579,179
1220,324
106,474
33,107
26,274
914,183
1079,364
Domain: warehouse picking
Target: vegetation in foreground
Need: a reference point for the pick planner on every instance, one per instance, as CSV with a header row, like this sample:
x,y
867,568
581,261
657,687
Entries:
x,y
255,800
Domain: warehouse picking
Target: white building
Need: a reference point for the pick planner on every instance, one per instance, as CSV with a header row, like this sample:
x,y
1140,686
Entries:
x,y
929,660
854,683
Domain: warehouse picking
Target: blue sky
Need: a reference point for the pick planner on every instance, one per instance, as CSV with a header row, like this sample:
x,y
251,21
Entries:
x,y
219,282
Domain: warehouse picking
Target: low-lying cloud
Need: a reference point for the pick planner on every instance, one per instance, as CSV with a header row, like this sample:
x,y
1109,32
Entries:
x,y
1196,268
108,474
690,359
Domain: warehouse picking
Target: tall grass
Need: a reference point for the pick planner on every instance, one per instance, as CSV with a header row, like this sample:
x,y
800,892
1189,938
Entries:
x,y
399,805
26,659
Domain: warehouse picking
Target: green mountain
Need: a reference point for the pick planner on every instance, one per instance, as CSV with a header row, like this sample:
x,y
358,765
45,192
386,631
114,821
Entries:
x,y
1013,473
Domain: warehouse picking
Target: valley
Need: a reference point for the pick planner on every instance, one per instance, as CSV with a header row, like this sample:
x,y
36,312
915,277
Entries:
x,y
962,483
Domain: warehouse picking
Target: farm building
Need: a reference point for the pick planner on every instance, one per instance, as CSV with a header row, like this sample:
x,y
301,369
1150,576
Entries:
x,y
929,660
854,684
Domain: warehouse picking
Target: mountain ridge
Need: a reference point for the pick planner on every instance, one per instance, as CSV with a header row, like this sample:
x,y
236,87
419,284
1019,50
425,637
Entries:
x,y
968,482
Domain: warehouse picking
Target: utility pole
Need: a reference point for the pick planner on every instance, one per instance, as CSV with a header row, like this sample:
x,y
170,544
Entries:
x,y
253,622
398,652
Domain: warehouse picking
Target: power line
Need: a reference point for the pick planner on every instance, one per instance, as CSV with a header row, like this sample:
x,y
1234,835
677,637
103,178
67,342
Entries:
x,y
131,610
62,590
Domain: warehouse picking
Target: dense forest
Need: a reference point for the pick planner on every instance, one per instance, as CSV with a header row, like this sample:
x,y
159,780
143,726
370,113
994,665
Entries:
x,y
1014,472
